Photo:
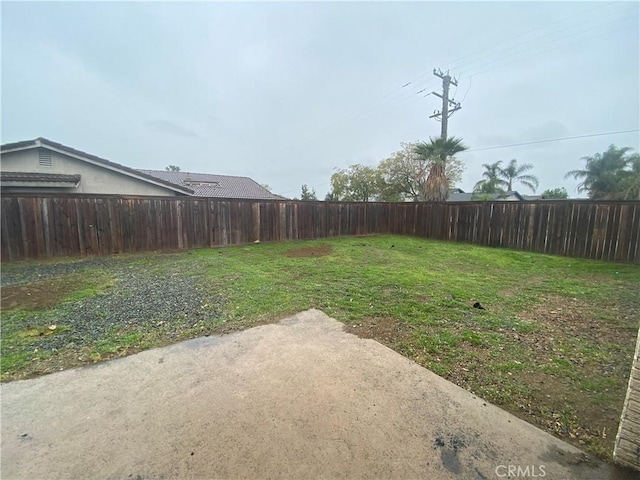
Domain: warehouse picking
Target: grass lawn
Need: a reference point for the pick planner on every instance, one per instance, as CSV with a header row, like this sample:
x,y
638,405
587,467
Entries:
x,y
553,345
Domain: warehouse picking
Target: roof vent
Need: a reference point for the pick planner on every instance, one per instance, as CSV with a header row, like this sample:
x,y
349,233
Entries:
x,y
191,183
45,158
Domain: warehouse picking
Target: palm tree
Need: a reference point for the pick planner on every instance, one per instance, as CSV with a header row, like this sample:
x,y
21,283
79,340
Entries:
x,y
604,174
514,172
631,180
491,182
439,151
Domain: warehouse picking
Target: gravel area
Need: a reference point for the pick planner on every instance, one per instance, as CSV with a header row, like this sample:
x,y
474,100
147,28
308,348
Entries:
x,y
20,274
139,301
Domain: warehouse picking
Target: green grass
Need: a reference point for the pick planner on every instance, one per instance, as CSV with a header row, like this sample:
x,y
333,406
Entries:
x,y
553,346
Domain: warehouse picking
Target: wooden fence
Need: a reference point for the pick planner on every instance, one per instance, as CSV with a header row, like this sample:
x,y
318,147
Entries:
x,y
627,446
35,226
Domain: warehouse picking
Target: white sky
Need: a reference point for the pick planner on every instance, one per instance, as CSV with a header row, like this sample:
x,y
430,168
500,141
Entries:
x,y
285,92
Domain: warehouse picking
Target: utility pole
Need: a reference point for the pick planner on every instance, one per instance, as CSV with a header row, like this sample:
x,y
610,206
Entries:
x,y
446,112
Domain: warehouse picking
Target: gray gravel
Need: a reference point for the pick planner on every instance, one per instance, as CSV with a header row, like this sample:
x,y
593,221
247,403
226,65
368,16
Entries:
x,y
23,273
139,301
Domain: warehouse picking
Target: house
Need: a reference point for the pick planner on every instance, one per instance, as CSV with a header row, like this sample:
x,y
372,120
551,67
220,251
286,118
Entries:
x,y
217,186
43,166
457,195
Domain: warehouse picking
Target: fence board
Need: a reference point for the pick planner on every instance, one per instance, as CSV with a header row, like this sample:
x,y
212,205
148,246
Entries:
x,y
627,445
634,243
35,226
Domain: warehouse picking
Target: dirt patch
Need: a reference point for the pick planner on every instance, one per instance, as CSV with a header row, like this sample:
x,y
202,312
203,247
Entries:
x,y
583,423
319,251
570,317
36,296
385,330
238,326
578,401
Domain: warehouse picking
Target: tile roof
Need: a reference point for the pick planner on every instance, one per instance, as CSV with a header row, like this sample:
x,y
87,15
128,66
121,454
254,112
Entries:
x,y
38,177
459,197
218,186
43,142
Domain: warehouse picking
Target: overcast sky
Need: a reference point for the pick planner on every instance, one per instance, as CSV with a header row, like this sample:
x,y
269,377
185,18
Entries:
x,y
286,92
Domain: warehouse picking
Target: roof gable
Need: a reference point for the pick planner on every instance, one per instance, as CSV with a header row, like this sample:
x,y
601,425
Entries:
x,y
93,159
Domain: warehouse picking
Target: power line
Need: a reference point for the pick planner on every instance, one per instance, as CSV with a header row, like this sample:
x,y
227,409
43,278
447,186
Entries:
x,y
465,93
452,64
555,44
551,140
547,38
457,64
407,97
529,52
533,53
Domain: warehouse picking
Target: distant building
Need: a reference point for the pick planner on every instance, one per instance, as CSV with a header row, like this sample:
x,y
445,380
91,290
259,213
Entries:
x,y
43,166
217,186
457,195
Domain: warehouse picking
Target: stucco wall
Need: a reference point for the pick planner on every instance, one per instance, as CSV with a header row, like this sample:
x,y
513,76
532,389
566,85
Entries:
x,y
94,179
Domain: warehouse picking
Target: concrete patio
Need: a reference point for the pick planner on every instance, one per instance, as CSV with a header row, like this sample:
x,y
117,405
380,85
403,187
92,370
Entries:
x,y
297,399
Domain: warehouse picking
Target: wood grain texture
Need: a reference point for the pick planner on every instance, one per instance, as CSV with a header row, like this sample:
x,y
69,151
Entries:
x,y
37,226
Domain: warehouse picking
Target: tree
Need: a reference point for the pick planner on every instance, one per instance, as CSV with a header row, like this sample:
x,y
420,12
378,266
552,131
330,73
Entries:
x,y
340,184
491,181
172,168
439,152
611,175
631,181
516,173
308,195
387,192
331,197
358,183
403,175
555,193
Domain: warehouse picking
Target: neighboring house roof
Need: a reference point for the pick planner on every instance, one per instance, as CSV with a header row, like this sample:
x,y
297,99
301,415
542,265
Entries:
x,y
508,195
87,157
219,186
458,195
